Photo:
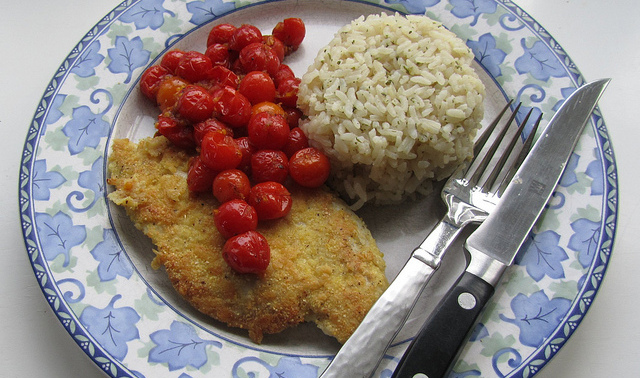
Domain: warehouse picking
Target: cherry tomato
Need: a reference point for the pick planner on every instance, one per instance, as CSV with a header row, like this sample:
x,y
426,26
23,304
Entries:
x,y
195,104
283,73
151,79
218,53
296,142
222,76
293,116
257,87
211,124
269,165
219,151
194,66
291,32
247,253
171,59
177,132
169,92
270,199
267,107
287,92
199,176
259,57
232,107
244,36
275,44
247,151
268,131
309,167
220,33
235,217
231,184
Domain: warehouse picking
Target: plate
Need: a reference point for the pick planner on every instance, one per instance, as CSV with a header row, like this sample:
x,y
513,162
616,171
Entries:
x,y
93,266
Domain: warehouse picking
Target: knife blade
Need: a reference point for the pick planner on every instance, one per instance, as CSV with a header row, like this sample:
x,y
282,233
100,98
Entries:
x,y
495,243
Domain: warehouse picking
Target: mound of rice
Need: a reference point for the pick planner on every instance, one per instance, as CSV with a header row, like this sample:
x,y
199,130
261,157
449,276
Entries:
x,y
394,102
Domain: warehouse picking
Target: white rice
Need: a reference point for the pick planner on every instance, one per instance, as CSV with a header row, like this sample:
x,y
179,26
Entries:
x,y
394,102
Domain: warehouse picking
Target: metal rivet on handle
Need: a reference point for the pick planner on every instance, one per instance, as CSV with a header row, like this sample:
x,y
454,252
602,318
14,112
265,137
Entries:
x,y
467,301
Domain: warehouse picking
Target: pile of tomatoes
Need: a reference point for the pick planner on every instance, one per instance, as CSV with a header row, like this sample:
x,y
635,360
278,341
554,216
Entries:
x,y
235,104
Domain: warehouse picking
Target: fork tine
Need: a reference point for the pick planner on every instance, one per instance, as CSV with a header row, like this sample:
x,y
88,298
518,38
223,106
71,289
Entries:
x,y
484,137
478,171
526,147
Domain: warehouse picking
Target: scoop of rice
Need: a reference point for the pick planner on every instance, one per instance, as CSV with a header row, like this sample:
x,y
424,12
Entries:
x,y
394,102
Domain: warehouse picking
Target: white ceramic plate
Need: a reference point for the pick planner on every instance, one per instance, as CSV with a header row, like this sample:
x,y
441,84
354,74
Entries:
x,y
93,266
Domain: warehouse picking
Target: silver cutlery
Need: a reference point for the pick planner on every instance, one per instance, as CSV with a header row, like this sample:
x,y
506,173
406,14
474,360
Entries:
x,y
495,243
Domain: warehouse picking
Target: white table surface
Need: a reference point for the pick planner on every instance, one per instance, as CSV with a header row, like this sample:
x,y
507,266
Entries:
x,y
601,37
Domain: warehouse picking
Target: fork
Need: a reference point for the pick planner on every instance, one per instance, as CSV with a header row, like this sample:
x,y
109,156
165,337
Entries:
x,y
470,194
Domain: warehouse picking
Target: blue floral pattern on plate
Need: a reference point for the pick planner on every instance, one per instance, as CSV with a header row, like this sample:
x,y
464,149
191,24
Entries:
x,y
95,286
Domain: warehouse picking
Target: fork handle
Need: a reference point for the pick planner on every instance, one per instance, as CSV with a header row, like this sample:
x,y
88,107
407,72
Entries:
x,y
439,342
360,356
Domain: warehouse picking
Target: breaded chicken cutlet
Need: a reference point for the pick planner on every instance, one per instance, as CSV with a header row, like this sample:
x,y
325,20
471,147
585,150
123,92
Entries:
x,y
325,266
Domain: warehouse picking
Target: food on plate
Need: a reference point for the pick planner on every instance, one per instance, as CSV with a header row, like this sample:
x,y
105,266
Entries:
x,y
394,103
324,264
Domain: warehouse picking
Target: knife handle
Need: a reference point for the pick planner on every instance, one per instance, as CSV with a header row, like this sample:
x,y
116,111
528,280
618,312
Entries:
x,y
438,344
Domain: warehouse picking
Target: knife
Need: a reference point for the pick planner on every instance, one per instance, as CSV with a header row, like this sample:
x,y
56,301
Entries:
x,y
495,243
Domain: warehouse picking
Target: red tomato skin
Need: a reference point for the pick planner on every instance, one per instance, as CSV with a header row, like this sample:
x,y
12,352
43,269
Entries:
x,y
219,151
293,116
231,184
194,67
199,176
291,32
177,132
309,167
269,165
259,57
200,129
270,199
296,142
232,107
223,76
151,79
287,92
257,87
171,59
283,73
195,104
218,53
247,151
276,44
244,36
235,217
220,33
268,131
247,253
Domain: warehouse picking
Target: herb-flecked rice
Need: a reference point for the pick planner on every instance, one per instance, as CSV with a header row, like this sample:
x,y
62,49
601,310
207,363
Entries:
x,y
394,102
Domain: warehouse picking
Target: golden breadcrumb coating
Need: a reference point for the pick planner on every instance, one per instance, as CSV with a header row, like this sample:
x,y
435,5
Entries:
x,y
325,266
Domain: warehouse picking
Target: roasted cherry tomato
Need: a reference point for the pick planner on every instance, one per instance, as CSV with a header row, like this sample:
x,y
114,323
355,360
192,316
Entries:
x,y
291,32
218,53
296,142
270,199
235,217
232,107
177,132
244,36
151,79
194,66
275,44
267,107
247,151
199,176
220,151
257,87
171,59
268,131
200,129
309,167
287,92
169,91
222,76
293,116
247,253
231,184
195,104
283,73
269,165
220,33
259,57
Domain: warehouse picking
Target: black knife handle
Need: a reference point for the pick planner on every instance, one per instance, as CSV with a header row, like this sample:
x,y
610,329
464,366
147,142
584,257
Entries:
x,y
440,339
